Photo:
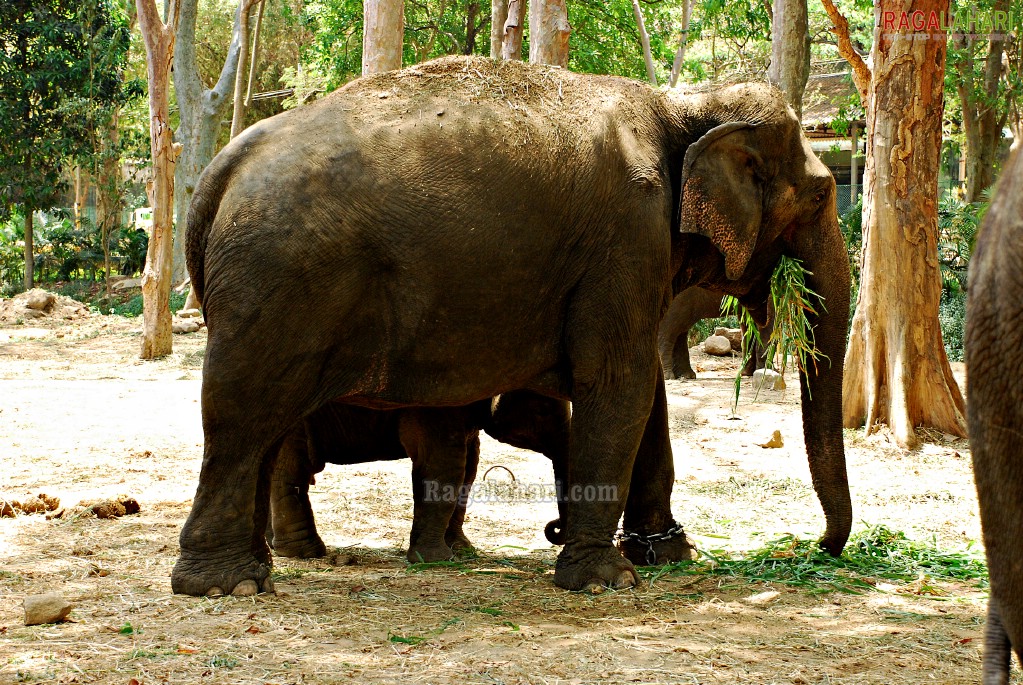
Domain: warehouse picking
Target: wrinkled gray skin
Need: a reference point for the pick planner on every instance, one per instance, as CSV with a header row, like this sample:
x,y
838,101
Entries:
x,y
468,227
444,447
688,307
994,344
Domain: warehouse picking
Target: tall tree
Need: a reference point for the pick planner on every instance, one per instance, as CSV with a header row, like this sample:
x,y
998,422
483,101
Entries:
x,y
790,50
384,27
156,278
201,111
896,370
548,32
978,63
498,15
238,114
44,83
680,53
644,40
514,24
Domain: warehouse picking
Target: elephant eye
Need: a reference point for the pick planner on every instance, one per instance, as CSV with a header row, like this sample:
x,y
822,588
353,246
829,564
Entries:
x,y
819,197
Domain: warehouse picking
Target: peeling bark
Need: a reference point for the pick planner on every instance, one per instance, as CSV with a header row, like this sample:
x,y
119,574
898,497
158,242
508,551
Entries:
x,y
896,370
511,46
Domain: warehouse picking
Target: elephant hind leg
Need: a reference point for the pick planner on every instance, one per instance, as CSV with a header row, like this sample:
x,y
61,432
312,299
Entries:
x,y
997,647
455,536
292,530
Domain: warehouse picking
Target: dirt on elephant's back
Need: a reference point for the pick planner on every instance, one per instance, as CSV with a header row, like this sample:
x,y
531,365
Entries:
x,y
81,418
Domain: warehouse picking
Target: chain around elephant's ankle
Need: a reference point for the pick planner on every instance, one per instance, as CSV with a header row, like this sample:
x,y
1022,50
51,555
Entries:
x,y
651,554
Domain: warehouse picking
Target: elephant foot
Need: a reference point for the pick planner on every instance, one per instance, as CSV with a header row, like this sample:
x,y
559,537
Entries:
x,y
658,548
459,543
300,548
593,567
211,579
423,553
554,531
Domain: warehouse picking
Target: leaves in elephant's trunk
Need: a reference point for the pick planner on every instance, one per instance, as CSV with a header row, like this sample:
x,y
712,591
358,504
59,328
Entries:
x,y
792,302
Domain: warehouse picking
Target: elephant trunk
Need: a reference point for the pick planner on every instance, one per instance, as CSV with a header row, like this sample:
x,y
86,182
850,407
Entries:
x,y
823,253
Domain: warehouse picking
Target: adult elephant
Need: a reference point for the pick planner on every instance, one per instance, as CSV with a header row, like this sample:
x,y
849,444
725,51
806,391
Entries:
x,y
467,227
689,306
995,413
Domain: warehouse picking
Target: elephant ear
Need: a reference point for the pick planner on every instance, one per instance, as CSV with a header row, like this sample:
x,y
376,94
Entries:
x,y
721,197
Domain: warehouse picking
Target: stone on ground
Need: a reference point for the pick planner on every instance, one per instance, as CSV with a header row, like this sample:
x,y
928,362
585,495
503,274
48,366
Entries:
x,y
717,345
49,608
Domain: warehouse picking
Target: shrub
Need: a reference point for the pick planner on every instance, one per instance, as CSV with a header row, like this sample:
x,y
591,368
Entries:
x,y
952,317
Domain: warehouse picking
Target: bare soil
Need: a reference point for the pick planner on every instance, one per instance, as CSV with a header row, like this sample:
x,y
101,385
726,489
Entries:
x,y
84,420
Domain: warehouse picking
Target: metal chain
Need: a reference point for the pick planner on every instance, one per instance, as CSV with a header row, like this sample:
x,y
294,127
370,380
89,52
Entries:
x,y
649,540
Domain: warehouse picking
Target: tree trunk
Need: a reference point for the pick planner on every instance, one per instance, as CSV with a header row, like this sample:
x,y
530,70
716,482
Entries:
x,y
680,54
81,194
201,112
254,60
30,259
108,193
790,51
384,28
548,32
156,278
238,116
982,123
644,40
498,15
511,47
896,370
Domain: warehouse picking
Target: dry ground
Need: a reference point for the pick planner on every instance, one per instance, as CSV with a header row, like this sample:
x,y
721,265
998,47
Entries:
x,y
83,419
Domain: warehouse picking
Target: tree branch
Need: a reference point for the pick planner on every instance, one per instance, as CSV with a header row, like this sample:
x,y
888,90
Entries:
x,y
860,71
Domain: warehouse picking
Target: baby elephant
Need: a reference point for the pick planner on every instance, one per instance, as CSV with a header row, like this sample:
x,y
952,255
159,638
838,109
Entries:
x,y
994,342
443,444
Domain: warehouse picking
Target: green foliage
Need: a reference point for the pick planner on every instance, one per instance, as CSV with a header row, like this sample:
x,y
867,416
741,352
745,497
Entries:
x,y
791,301
958,222
877,553
49,90
952,318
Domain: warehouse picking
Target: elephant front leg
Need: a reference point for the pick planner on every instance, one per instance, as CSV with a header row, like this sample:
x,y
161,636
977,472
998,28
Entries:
x,y
436,440
292,531
650,534
608,421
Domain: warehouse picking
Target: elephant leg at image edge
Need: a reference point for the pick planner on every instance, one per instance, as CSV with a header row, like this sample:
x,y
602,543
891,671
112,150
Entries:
x,y
455,537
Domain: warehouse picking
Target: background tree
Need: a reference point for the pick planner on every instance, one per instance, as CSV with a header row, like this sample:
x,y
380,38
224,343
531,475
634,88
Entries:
x,y
156,279
644,40
382,36
44,81
896,369
548,32
790,50
201,111
514,28
243,74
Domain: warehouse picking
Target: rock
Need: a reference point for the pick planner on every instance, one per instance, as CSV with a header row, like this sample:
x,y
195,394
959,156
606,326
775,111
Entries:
x,y
775,441
188,314
40,300
127,283
766,378
734,336
185,326
762,598
717,345
50,608
31,313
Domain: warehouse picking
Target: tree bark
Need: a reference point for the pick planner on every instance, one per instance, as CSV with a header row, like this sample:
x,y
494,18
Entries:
x,y
790,51
254,60
30,259
548,32
156,278
201,112
511,47
238,114
498,15
644,40
680,54
108,195
896,370
384,28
